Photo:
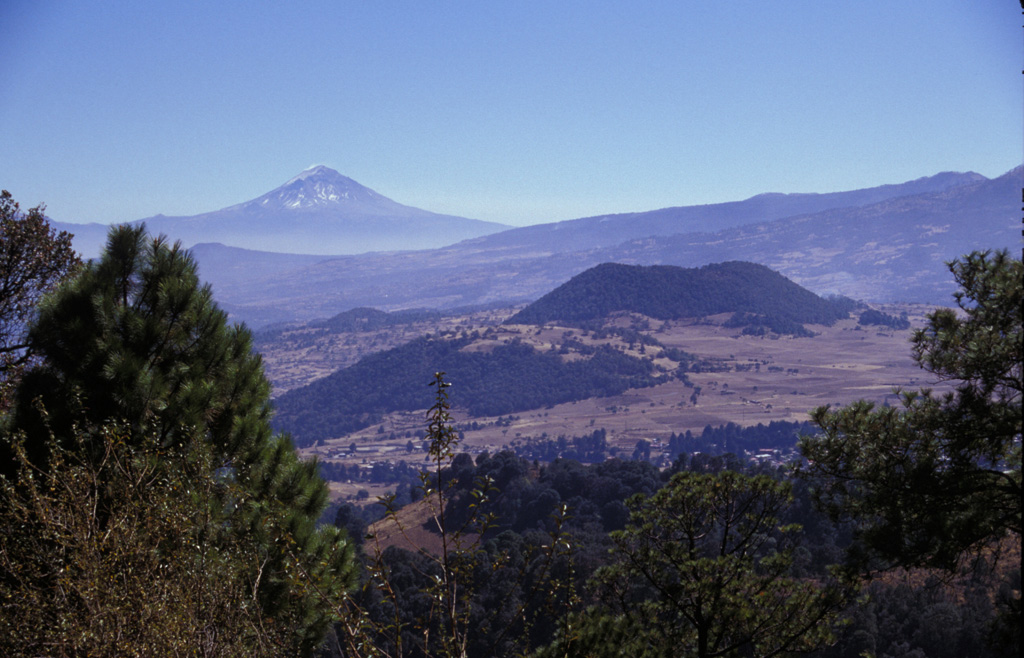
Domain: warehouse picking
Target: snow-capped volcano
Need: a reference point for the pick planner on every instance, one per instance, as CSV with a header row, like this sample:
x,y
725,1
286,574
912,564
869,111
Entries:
x,y
322,212
322,186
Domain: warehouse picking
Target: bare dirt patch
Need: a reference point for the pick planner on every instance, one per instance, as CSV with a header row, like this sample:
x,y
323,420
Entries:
x,y
414,527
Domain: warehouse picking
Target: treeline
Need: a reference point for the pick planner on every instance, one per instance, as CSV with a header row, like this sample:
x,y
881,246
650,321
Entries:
x,y
730,438
873,317
371,319
756,324
512,377
588,449
667,292
399,473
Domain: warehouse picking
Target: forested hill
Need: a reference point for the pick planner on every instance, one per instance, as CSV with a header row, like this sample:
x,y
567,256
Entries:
x,y
371,319
510,377
753,292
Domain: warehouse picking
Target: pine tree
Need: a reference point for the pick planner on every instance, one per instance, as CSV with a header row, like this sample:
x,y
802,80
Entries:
x,y
938,479
936,482
136,341
704,569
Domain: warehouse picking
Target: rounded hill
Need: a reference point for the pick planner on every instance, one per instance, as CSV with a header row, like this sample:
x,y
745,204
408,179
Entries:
x,y
753,293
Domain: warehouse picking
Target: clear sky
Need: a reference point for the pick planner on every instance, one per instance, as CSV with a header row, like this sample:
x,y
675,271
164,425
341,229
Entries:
x,y
513,111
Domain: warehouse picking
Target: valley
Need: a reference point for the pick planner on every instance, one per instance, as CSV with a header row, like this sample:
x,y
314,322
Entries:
x,y
742,379
697,369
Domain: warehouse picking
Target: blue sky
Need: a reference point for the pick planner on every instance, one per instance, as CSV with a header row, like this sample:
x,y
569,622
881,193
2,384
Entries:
x,y
518,112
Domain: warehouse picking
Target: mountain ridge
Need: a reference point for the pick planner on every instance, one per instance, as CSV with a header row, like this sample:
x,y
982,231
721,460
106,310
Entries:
x,y
834,251
840,251
608,230
312,190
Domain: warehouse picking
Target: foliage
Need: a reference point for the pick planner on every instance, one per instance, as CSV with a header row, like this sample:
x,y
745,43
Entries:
x,y
703,569
127,555
467,598
940,478
925,613
895,620
33,260
667,292
873,317
135,342
512,377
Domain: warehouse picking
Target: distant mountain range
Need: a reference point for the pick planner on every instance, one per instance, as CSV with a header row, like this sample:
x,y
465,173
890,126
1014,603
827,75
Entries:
x,y
891,248
610,230
317,212
886,243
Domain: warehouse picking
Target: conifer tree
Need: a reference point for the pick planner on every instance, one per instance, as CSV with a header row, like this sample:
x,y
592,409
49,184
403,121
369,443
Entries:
x,y
937,481
933,481
136,341
704,569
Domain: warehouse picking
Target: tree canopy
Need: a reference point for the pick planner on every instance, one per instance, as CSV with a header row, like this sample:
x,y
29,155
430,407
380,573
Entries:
x,y
941,475
703,569
939,478
142,381
33,260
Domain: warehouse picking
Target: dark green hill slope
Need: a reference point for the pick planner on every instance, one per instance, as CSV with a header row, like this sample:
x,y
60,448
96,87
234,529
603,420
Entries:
x,y
512,377
371,319
755,293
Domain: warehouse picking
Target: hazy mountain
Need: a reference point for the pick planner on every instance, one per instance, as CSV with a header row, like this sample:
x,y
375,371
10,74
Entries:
x,y
88,240
317,212
887,250
894,250
610,230
233,265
